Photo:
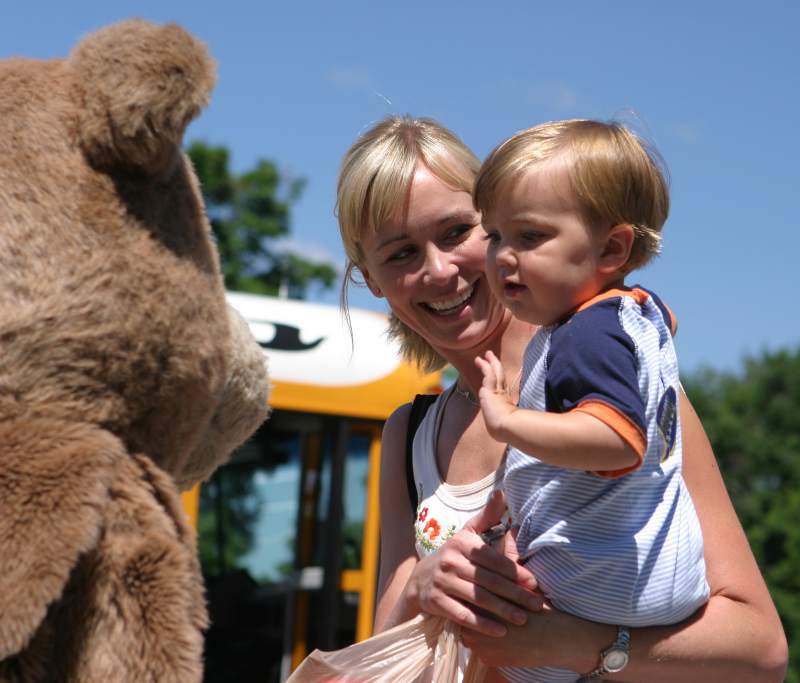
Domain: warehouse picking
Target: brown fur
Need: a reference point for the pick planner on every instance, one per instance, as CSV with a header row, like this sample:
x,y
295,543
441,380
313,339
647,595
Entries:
x,y
122,370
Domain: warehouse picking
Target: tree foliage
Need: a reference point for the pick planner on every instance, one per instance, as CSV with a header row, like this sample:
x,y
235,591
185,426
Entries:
x,y
753,421
246,211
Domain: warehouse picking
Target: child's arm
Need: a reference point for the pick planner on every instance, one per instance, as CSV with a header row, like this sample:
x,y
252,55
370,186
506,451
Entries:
x,y
575,440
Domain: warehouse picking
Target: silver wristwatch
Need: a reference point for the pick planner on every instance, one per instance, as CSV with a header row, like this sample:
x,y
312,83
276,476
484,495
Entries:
x,y
614,658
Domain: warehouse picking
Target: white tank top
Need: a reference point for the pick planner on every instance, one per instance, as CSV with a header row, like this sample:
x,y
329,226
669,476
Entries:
x,y
443,508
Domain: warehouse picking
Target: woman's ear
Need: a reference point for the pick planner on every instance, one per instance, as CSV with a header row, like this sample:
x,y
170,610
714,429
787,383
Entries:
x,y
617,247
376,291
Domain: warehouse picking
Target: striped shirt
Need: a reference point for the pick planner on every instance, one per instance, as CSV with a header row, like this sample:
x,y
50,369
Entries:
x,y
620,547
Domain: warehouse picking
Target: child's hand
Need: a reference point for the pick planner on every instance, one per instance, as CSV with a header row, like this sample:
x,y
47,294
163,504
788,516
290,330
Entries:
x,y
495,401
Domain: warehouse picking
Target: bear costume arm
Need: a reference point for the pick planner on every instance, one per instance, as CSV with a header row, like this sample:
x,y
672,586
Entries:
x,y
54,485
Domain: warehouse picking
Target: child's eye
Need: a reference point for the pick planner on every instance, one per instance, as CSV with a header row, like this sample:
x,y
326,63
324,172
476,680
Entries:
x,y
530,236
492,236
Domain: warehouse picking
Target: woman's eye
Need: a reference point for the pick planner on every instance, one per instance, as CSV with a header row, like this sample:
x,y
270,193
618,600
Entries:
x,y
458,231
400,254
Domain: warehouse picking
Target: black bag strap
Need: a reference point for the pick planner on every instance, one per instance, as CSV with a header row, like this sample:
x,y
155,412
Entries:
x,y
419,408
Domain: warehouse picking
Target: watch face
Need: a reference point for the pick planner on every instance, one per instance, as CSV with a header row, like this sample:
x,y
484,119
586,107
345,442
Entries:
x,y
615,660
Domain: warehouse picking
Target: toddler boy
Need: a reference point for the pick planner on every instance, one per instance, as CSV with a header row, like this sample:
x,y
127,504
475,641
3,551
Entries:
x,y
593,471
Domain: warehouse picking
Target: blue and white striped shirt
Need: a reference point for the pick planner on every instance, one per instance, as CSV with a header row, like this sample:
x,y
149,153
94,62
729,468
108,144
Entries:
x,y
613,547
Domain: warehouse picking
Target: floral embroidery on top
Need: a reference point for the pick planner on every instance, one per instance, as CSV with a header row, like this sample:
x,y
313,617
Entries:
x,y
433,527
428,532
430,535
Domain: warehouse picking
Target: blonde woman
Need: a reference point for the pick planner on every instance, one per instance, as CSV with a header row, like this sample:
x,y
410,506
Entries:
x,y
410,229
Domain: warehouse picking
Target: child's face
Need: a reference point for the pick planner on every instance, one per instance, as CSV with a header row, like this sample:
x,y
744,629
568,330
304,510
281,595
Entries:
x,y
543,256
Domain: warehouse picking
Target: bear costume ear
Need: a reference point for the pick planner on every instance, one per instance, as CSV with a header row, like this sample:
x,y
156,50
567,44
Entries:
x,y
140,85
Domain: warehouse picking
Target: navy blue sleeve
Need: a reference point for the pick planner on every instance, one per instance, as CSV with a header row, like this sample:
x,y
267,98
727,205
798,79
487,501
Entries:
x,y
593,359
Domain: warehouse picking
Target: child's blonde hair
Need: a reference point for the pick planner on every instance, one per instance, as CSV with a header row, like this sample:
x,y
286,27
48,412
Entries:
x,y
374,180
616,176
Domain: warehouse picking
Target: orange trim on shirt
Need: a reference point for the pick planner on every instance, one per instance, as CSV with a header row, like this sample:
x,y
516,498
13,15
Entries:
x,y
634,292
628,431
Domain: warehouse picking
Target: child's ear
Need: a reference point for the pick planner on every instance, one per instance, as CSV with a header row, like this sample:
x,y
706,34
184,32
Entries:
x,y
376,291
616,248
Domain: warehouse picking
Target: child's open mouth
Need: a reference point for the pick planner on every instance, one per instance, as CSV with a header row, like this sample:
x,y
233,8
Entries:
x,y
512,289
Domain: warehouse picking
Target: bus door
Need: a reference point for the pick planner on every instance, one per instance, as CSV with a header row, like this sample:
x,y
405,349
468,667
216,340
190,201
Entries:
x,y
337,543
288,539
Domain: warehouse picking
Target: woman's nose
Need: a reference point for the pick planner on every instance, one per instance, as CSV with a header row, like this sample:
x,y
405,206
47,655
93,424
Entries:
x,y
438,267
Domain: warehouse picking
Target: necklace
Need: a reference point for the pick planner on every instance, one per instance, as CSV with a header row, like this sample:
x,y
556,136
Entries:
x,y
471,398
467,394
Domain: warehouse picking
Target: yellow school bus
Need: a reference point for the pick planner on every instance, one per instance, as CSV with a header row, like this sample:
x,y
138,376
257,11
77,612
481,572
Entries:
x,y
288,530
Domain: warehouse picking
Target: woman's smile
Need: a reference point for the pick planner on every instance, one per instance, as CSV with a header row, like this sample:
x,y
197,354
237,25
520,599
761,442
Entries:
x,y
452,304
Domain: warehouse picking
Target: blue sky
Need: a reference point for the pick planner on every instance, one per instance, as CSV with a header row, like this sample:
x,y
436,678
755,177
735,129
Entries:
x,y
714,84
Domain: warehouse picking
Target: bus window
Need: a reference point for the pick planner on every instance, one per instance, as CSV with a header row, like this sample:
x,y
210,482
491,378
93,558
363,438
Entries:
x,y
249,510
356,475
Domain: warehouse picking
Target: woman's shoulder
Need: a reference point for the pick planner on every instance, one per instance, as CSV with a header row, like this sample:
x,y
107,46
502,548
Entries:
x,y
393,442
397,423
396,426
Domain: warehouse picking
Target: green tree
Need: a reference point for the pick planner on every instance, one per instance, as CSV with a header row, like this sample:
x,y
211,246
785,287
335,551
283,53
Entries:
x,y
248,210
753,421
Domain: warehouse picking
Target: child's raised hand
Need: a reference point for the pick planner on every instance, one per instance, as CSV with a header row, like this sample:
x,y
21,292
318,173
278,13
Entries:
x,y
496,404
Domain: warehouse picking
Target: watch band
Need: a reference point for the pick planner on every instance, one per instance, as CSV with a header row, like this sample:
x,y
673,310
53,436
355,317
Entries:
x,y
619,650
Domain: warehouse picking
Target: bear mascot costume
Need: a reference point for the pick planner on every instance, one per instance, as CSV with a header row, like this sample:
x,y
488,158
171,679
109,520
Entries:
x,y
124,376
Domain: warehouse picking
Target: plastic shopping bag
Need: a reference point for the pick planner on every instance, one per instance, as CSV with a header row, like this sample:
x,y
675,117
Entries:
x,y
400,655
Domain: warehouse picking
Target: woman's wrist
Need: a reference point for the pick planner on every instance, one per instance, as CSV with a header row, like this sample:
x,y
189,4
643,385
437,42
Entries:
x,y
408,606
576,643
402,611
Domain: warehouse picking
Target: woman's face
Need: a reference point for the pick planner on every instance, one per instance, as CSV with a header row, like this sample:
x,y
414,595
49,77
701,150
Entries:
x,y
429,264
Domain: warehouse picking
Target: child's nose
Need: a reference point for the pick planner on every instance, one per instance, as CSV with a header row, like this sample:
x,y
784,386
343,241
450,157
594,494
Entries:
x,y
504,256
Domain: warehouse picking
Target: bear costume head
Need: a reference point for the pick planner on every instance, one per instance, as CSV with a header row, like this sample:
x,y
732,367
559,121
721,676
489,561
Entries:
x,y
124,376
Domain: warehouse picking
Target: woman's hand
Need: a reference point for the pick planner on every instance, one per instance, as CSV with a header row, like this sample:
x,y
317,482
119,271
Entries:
x,y
471,583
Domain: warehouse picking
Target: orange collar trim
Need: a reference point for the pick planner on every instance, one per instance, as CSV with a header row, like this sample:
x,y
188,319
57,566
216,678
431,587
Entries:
x,y
634,292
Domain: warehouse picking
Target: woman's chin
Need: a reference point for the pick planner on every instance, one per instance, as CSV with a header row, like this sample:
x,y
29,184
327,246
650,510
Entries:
x,y
484,306
479,323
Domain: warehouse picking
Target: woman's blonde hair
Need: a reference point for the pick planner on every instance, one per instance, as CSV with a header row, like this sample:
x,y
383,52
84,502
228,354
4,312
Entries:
x,y
616,176
374,181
